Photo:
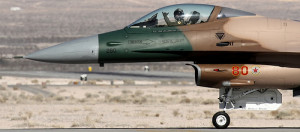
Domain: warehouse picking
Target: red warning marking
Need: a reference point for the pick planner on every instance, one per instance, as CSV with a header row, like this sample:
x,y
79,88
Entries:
x,y
216,70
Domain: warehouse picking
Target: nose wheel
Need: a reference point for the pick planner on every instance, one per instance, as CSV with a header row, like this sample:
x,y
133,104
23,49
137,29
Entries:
x,y
221,120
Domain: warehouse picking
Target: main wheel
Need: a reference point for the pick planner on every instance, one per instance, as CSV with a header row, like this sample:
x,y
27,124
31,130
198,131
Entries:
x,y
221,120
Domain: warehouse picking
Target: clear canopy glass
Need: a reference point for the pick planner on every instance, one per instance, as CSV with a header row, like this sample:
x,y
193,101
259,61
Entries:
x,y
175,15
184,14
228,12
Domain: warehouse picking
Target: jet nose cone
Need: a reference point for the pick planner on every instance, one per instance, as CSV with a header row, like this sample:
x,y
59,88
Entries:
x,y
83,50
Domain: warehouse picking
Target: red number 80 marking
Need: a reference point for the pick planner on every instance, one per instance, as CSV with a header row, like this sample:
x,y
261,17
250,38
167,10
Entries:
x,y
236,72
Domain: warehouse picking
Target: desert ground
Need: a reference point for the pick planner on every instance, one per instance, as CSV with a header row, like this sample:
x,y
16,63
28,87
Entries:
x,y
53,103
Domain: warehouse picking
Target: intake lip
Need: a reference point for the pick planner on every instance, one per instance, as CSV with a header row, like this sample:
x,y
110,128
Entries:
x,y
197,73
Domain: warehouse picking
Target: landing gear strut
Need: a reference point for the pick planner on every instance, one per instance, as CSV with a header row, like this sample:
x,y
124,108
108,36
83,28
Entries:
x,y
221,120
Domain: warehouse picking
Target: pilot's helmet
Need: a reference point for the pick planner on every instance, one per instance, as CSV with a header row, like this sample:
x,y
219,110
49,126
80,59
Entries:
x,y
178,14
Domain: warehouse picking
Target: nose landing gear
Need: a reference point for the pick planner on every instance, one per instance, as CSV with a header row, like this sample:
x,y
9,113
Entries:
x,y
244,99
221,120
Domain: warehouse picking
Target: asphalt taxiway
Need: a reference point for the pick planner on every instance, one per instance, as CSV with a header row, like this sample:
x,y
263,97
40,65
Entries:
x,y
122,75
159,130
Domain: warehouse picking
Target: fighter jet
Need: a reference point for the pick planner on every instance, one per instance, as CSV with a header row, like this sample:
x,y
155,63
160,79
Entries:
x,y
246,56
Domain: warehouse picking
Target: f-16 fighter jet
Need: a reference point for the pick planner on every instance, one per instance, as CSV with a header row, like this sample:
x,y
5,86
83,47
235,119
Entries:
x,y
246,56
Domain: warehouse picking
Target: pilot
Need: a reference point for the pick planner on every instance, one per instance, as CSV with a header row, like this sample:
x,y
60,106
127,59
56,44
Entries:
x,y
179,17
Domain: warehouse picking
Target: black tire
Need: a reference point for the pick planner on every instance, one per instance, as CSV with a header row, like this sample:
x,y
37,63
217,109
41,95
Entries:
x,y
221,120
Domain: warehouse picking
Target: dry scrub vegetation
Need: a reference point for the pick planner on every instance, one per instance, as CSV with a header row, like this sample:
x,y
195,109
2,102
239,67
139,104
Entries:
x,y
110,95
33,109
127,106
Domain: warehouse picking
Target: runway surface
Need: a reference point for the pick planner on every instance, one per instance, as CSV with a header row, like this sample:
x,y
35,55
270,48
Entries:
x,y
158,130
134,75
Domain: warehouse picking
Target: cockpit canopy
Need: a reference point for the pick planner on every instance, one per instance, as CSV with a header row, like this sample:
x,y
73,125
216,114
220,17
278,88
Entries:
x,y
184,14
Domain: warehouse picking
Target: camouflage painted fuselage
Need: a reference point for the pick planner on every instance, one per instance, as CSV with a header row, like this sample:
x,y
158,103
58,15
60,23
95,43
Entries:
x,y
242,51
249,41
